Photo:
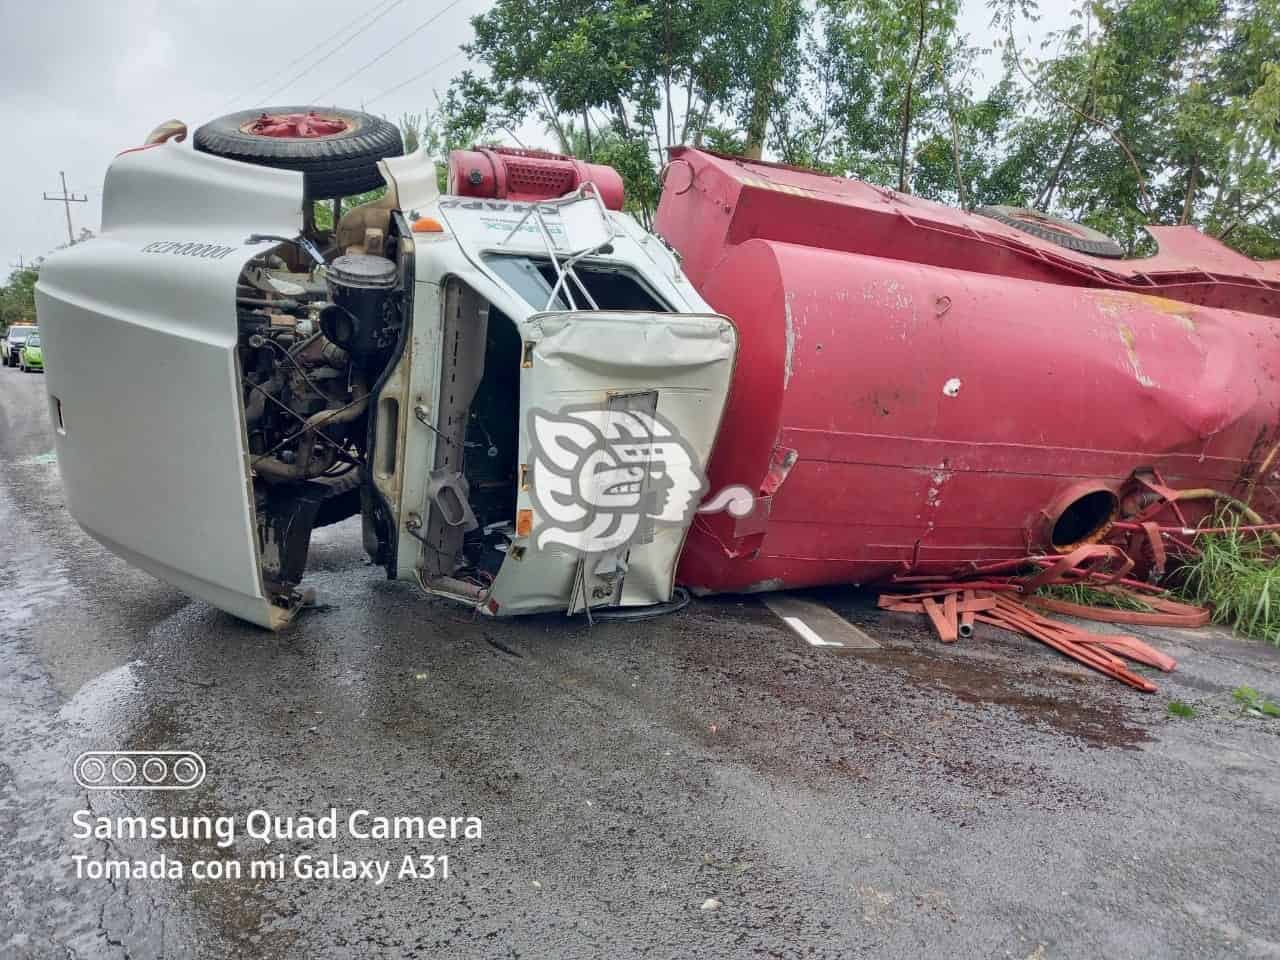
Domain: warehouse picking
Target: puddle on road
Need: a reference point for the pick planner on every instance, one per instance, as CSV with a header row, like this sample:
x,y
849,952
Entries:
x,y
33,590
1051,703
31,580
1041,688
106,706
888,713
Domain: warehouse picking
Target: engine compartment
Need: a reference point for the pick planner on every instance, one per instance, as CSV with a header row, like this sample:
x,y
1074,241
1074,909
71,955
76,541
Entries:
x,y
318,326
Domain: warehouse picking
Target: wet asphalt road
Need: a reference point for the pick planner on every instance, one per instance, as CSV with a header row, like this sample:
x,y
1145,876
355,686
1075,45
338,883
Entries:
x,y
989,799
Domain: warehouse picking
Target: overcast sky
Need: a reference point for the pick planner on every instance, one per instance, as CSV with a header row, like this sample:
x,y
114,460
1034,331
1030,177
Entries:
x,y
81,80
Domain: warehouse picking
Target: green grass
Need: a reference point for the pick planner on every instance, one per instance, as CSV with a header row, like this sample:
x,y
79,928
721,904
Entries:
x,y
1180,709
1237,577
1089,596
1252,702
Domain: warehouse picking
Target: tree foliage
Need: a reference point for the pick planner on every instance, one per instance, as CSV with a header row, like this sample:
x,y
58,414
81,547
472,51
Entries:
x,y
18,298
622,80
1141,111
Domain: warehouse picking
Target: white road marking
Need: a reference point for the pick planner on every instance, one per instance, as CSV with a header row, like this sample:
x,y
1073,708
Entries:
x,y
814,622
802,628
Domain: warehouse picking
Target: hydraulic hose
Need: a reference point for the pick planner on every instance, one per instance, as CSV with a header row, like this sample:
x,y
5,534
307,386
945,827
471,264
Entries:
x,y
1208,493
679,600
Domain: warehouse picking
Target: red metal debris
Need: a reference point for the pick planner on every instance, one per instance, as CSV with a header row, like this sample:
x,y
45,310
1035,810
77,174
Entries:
x,y
968,609
1101,652
993,599
943,615
1165,612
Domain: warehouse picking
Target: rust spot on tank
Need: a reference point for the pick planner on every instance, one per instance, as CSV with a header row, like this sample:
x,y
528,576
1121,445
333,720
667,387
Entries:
x,y
1135,364
1114,303
1174,308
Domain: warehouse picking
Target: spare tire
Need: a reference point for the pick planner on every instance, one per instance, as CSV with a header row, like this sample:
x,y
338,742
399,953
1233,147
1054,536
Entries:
x,y
1065,233
337,151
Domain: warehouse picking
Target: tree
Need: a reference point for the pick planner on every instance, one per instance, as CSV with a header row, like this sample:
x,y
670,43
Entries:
x,y
18,297
879,92
1141,111
626,79
1161,111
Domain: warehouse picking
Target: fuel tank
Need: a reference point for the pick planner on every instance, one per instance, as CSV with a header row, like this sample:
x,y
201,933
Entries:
x,y
904,412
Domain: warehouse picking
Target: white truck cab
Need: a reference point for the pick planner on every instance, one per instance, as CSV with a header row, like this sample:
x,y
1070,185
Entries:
x,y
517,397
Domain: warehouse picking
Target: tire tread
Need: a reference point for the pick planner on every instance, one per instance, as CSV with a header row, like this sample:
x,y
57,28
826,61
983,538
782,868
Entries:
x,y
338,166
1099,246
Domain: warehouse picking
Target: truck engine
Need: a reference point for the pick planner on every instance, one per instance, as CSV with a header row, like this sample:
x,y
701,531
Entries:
x,y
316,331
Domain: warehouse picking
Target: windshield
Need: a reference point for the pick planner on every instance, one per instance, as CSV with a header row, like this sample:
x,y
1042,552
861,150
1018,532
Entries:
x,y
33,341
19,336
612,287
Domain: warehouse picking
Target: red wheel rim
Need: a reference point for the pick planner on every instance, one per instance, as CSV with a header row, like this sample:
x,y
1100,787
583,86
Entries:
x,y
295,126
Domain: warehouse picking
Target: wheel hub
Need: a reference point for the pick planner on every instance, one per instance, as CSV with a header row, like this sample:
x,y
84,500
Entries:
x,y
295,126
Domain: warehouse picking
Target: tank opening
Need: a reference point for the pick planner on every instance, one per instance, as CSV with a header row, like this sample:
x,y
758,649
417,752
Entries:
x,y
1084,519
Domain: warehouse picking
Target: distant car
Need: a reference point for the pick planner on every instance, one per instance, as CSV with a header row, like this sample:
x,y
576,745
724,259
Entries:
x,y
31,356
12,343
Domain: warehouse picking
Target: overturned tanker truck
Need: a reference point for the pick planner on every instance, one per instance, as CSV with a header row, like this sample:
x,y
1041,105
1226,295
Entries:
x,y
921,390
533,404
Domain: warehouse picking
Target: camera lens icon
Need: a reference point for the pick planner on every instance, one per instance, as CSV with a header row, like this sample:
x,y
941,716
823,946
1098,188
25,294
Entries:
x,y
139,770
90,771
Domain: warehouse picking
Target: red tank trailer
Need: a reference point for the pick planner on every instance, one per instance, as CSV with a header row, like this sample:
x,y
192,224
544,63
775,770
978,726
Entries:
x,y
919,388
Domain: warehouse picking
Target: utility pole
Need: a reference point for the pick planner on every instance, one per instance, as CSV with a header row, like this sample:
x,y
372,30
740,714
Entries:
x,y
68,199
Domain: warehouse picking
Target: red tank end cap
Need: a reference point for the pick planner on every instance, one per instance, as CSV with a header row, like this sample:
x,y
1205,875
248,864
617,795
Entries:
x,y
506,173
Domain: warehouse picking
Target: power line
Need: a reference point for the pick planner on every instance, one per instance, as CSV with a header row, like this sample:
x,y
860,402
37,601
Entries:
x,y
399,43
378,16
417,76
68,199
306,53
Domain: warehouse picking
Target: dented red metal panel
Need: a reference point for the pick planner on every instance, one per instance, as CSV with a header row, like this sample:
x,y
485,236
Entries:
x,y
710,203
918,396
